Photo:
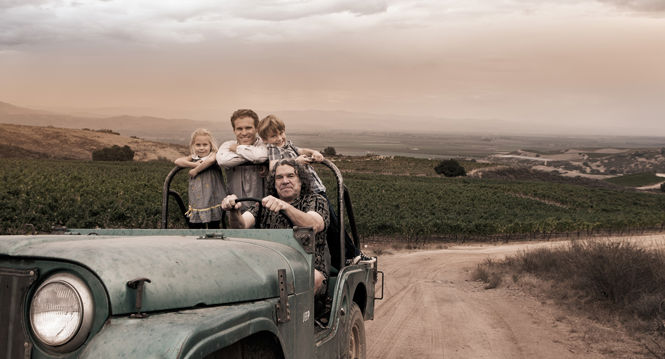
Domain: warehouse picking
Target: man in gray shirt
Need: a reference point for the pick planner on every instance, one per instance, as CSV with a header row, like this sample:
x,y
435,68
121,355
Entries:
x,y
243,159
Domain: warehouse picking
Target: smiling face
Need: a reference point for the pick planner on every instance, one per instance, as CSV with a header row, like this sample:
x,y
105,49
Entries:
x,y
278,139
245,131
287,183
201,146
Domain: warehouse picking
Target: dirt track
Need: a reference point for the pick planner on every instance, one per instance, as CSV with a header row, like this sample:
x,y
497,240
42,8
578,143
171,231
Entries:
x,y
432,309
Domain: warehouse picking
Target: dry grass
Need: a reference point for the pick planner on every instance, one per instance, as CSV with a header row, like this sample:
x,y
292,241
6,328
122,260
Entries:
x,y
605,280
73,144
484,274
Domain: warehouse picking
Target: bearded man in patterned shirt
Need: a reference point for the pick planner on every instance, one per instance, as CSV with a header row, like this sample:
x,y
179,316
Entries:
x,y
290,203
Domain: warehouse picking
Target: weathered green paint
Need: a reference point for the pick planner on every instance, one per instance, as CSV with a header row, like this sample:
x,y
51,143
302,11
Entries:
x,y
349,280
206,293
182,334
184,271
45,268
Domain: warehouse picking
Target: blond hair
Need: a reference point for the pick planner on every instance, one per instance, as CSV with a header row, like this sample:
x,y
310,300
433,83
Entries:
x,y
270,125
202,132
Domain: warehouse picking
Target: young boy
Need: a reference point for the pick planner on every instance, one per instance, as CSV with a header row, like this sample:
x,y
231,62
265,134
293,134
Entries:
x,y
273,133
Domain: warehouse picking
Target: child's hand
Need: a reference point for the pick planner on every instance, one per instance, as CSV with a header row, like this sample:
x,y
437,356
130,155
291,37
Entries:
x,y
193,172
302,159
317,156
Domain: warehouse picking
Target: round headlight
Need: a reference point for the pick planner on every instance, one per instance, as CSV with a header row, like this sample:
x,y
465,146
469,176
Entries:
x,y
61,312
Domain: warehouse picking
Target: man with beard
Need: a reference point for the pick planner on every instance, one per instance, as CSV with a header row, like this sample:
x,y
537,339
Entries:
x,y
290,203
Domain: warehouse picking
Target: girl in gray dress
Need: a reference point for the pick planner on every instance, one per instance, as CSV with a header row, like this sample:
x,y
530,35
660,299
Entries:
x,y
206,189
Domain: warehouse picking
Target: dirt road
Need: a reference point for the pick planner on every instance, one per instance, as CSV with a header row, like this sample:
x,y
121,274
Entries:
x,y
432,309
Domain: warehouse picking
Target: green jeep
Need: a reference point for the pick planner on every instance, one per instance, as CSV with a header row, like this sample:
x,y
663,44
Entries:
x,y
181,293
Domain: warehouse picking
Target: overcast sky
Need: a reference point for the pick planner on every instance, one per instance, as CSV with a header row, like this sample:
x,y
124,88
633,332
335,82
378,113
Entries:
x,y
536,63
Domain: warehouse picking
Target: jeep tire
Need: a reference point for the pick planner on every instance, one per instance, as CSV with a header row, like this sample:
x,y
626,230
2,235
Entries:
x,y
354,346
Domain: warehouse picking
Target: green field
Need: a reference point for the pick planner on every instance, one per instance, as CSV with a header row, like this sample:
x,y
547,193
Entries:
x,y
636,179
408,166
43,193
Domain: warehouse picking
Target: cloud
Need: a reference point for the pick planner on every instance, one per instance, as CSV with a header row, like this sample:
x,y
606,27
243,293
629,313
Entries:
x,y
94,24
296,9
69,22
653,6
34,22
60,21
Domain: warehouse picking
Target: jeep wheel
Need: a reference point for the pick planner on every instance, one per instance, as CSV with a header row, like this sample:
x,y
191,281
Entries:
x,y
355,332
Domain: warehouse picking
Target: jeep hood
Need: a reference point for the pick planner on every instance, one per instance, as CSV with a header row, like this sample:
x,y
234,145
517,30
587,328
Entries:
x,y
184,271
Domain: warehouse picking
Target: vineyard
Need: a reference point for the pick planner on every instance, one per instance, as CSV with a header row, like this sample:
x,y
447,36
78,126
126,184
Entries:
x,y
41,194
80,194
636,179
460,208
398,165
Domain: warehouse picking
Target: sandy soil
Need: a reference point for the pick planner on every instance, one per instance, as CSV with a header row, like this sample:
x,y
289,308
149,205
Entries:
x,y
432,309
568,173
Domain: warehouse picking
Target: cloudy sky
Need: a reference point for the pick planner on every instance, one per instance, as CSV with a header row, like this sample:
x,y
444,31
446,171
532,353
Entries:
x,y
555,65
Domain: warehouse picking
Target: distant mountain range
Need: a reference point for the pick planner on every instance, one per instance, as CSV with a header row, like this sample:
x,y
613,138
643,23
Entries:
x,y
301,122
349,132
154,128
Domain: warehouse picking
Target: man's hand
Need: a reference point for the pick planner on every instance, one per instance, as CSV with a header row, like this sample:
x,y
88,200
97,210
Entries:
x,y
229,203
274,204
233,147
237,220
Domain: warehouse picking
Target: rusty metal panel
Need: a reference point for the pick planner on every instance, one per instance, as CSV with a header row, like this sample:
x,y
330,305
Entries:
x,y
283,308
14,285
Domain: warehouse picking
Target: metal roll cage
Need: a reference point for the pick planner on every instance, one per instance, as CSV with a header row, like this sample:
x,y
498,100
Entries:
x,y
343,206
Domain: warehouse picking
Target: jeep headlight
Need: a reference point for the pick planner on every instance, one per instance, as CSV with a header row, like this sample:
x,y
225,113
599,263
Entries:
x,y
61,312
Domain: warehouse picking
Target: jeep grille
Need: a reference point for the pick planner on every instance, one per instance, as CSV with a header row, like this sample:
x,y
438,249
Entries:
x,y
14,285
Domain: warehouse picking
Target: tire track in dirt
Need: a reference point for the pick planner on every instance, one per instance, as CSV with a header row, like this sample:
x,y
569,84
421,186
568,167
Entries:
x,y
396,316
432,310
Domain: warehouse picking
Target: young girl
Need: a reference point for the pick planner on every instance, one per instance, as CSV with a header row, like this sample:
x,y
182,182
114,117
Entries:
x,y
206,189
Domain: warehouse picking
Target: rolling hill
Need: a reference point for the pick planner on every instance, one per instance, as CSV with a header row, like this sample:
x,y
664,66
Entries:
x,y
149,127
63,143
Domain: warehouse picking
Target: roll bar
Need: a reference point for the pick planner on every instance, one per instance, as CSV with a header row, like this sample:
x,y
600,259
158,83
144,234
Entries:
x,y
343,206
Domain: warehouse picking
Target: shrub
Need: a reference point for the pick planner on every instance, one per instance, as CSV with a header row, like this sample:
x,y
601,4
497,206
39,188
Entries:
x,y
114,153
450,168
329,151
109,131
621,273
484,273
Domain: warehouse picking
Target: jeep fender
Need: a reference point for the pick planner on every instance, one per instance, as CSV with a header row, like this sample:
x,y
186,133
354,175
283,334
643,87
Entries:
x,y
184,334
354,284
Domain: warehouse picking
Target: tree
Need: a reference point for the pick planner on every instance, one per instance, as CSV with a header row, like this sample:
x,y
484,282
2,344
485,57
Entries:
x,y
114,153
329,151
450,168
